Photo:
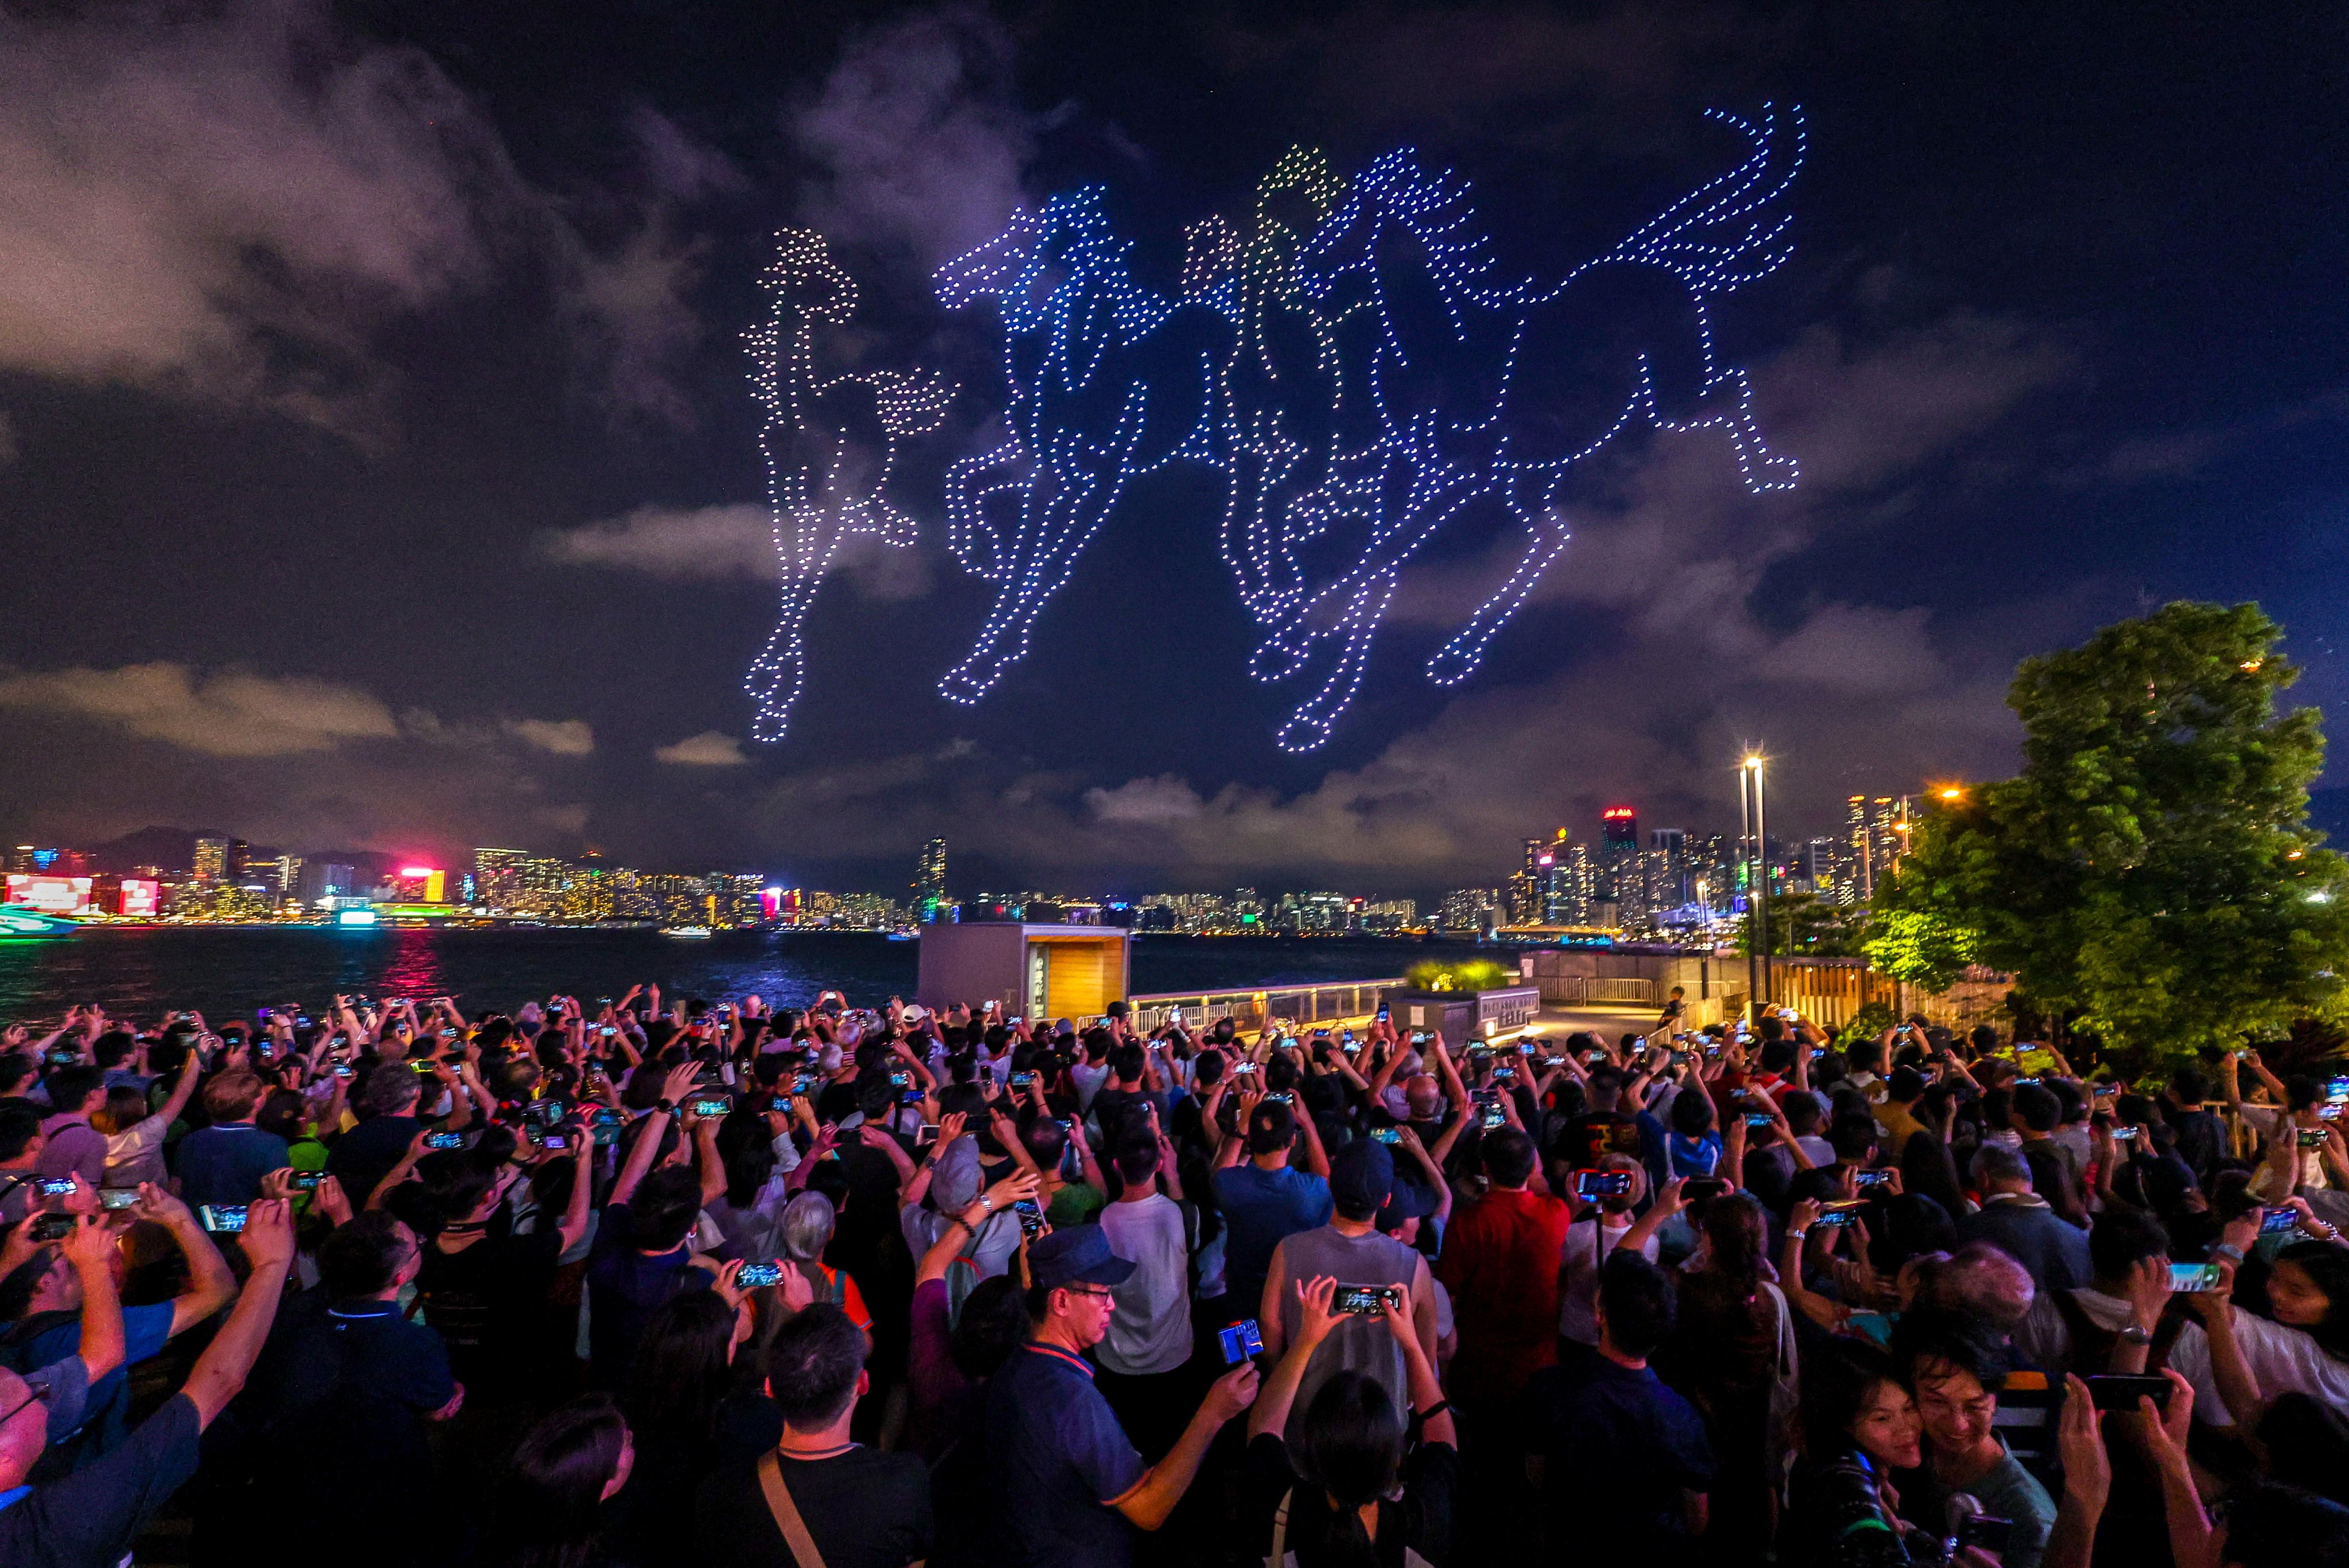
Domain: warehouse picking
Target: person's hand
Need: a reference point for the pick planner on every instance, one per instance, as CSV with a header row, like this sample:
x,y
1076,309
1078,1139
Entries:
x,y
1232,1392
1890,1186
332,1202
1012,1189
726,1287
268,1234
82,1200
2146,1290
2242,1232
90,1245
278,1183
1805,1216
20,1248
2087,1468
1407,1137
678,1081
826,1139
873,1137
1394,1311
1316,1319
158,1206
951,1128
794,1289
1667,1196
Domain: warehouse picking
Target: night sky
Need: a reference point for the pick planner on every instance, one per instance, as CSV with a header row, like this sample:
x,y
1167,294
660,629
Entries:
x,y
381,469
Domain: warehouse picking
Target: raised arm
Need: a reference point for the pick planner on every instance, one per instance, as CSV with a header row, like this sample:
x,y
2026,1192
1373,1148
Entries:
x,y
1270,1412
220,1371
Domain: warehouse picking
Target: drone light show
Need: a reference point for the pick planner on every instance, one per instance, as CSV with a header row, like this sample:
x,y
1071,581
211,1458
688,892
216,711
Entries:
x,y
1347,357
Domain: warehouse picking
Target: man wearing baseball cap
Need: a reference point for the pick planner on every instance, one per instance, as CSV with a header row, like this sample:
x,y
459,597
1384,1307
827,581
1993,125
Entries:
x,y
1072,1489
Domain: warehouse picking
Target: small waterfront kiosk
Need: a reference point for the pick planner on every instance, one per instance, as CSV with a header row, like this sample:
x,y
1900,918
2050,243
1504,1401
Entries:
x,y
1033,971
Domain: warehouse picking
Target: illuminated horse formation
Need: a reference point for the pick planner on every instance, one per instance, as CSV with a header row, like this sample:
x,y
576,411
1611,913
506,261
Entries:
x,y
830,445
1350,362
1281,400
1109,381
1493,390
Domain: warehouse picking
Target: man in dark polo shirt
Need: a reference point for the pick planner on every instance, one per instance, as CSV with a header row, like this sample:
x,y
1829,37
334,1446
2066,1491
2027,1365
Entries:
x,y
1072,1491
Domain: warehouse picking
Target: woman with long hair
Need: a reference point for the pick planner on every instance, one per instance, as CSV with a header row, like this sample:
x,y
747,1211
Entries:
x,y
2301,1346
1729,1353
691,1404
547,1511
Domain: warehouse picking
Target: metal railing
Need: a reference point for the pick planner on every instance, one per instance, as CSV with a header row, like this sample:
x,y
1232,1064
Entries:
x,y
1347,1001
1595,988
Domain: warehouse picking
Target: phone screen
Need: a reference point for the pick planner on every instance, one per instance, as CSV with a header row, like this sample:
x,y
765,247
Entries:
x,y
2276,1220
1601,1183
1360,1300
755,1274
2191,1277
1240,1341
118,1198
222,1218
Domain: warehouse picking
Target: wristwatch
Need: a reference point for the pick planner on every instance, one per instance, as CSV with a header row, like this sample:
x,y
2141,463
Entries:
x,y
986,1203
2133,1334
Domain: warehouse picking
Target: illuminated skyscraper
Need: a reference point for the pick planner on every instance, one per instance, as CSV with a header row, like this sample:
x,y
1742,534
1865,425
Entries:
x,y
931,881
1621,882
211,860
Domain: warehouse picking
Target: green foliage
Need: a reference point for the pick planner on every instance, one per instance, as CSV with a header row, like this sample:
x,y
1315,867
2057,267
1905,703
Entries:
x,y
2150,870
1922,947
1469,975
1872,1019
1801,926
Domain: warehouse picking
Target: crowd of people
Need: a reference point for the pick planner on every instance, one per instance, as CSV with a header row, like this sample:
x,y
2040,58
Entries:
x,y
651,1282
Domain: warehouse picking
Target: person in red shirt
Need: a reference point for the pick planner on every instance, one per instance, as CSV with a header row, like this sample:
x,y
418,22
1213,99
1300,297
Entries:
x,y
1500,1262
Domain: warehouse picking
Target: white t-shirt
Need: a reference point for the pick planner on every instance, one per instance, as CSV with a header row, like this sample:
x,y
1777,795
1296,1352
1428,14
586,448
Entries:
x,y
2273,1122
2282,1360
1150,1326
1585,1250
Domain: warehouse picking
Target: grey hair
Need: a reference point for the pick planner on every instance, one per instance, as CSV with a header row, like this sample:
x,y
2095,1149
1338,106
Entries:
x,y
1997,1162
808,1219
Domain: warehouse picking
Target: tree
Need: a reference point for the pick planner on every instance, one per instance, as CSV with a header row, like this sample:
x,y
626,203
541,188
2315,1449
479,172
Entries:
x,y
2151,870
1801,926
1920,947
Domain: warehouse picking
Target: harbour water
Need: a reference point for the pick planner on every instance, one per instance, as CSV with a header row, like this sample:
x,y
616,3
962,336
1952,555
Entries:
x,y
226,971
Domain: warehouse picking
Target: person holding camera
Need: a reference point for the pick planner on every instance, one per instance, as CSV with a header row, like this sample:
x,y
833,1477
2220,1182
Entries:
x,y
1343,1481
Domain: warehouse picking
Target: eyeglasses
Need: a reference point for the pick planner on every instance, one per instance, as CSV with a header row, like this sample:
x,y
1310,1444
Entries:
x,y
29,1400
1095,1293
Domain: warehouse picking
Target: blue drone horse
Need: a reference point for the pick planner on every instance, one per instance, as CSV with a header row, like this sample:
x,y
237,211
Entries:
x,y
1109,381
1491,391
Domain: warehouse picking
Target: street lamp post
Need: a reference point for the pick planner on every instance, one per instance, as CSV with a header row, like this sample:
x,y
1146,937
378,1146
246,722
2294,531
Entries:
x,y
1757,882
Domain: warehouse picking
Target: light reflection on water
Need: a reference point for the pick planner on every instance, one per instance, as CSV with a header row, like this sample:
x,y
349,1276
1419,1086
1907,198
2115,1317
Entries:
x,y
220,971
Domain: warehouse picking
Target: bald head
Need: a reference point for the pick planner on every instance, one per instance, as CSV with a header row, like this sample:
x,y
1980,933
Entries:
x,y
1423,1095
1983,1282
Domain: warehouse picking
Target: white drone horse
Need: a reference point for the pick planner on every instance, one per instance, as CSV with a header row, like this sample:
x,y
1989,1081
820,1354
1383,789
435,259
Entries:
x,y
830,446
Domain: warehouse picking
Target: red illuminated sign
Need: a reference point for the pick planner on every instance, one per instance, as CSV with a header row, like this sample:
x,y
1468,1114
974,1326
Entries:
x,y
1617,813
140,897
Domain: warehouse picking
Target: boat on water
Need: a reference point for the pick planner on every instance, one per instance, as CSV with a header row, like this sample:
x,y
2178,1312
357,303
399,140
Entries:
x,y
695,932
17,922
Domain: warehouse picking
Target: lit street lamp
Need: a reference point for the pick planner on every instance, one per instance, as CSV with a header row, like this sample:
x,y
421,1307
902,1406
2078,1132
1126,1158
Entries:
x,y
1757,881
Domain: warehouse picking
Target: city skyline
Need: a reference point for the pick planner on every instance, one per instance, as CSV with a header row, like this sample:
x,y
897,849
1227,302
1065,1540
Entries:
x,y
1620,875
